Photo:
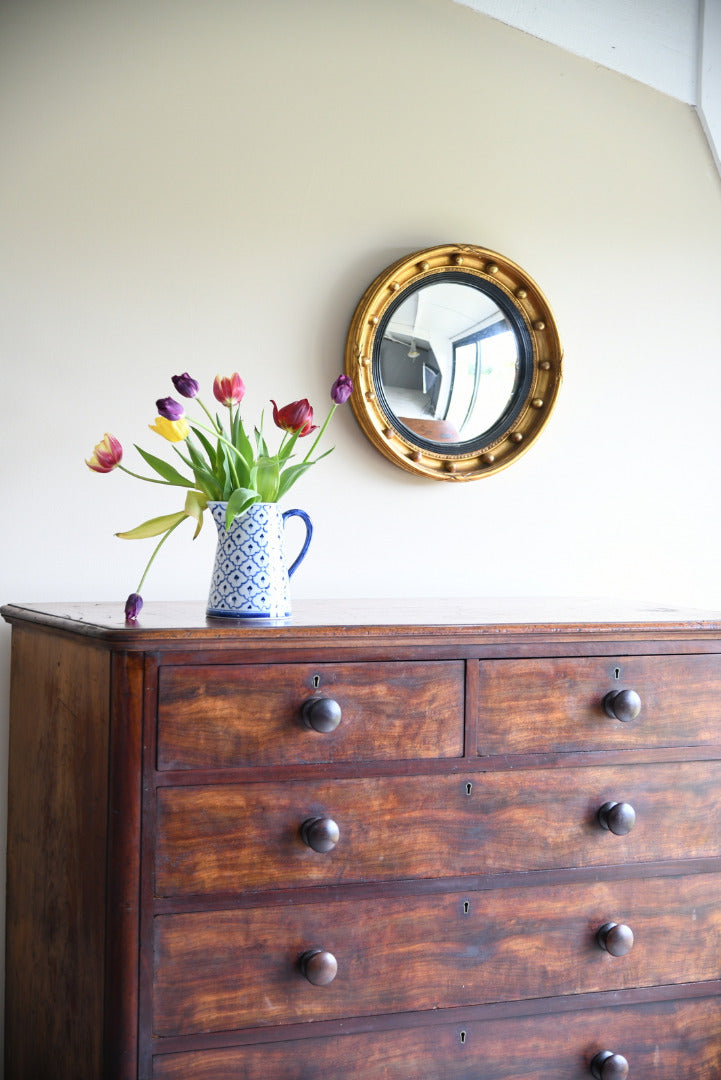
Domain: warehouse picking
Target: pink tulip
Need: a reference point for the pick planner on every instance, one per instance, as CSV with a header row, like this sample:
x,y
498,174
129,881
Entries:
x,y
229,391
107,454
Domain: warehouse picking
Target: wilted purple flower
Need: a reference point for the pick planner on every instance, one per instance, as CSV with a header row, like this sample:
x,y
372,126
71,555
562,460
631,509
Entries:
x,y
185,385
341,389
170,408
133,606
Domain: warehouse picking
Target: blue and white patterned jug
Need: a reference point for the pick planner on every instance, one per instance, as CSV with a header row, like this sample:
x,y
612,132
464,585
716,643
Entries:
x,y
250,574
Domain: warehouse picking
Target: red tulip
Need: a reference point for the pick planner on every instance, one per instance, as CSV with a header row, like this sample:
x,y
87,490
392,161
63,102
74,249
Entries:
x,y
229,391
296,417
107,454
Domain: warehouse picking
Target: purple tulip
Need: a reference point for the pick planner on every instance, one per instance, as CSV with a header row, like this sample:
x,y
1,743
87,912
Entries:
x,y
341,389
185,385
133,606
170,408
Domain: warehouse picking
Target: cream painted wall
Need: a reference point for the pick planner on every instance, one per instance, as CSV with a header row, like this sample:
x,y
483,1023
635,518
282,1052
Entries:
x,y
211,187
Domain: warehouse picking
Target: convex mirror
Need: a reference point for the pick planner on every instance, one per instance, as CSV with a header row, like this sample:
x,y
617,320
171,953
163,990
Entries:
x,y
455,360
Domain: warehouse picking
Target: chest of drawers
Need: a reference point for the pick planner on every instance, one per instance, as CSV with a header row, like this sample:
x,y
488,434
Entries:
x,y
440,840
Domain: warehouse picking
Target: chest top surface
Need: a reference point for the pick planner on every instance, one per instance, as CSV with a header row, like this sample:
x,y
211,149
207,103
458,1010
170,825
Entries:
x,y
398,621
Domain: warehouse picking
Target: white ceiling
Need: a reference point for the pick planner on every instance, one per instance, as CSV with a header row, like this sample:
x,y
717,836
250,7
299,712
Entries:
x,y
671,45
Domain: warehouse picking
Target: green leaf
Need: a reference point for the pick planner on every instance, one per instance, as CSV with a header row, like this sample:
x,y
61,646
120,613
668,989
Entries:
x,y
286,451
163,468
195,505
241,441
205,476
261,444
206,444
153,527
268,476
239,501
289,476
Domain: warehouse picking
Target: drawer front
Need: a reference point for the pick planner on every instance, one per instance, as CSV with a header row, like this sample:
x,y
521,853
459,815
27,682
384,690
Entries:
x,y
660,1041
219,717
232,969
238,837
537,706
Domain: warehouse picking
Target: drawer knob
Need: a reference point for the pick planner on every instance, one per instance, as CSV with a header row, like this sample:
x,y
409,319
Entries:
x,y
615,938
319,967
609,1066
618,817
320,833
622,705
321,713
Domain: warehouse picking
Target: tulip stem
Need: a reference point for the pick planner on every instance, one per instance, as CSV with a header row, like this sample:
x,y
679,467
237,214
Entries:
x,y
321,433
209,415
158,546
149,479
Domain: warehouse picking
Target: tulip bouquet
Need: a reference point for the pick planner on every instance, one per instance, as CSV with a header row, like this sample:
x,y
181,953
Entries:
x,y
221,461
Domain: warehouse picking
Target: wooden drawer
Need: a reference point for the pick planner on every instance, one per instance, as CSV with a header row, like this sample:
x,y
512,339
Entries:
x,y
222,716
538,706
236,837
677,1040
232,969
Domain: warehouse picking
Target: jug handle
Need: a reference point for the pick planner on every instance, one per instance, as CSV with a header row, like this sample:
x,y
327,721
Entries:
x,y
308,534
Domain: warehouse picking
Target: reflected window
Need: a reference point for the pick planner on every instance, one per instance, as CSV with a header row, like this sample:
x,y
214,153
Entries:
x,y
448,362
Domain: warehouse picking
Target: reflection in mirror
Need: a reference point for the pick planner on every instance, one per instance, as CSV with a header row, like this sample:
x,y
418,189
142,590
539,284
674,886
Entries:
x,y
449,362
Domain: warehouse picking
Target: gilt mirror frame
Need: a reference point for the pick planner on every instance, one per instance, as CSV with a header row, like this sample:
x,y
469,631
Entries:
x,y
537,368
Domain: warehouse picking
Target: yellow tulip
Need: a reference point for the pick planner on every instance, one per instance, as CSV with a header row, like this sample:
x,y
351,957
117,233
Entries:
x,y
172,430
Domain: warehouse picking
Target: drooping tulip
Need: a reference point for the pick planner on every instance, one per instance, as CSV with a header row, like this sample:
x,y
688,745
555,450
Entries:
x,y
172,430
341,389
133,606
107,454
229,391
295,417
186,385
170,408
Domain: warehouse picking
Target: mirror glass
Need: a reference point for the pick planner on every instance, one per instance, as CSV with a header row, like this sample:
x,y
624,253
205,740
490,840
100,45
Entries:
x,y
449,363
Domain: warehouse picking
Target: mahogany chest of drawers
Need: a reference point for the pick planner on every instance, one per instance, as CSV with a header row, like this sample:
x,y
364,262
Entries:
x,y
452,840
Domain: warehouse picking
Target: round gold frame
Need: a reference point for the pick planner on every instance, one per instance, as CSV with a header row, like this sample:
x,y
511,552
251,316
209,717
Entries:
x,y
480,267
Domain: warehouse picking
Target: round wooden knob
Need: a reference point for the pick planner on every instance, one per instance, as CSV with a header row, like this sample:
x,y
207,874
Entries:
x,y
320,833
618,817
622,705
615,938
321,713
609,1066
319,967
